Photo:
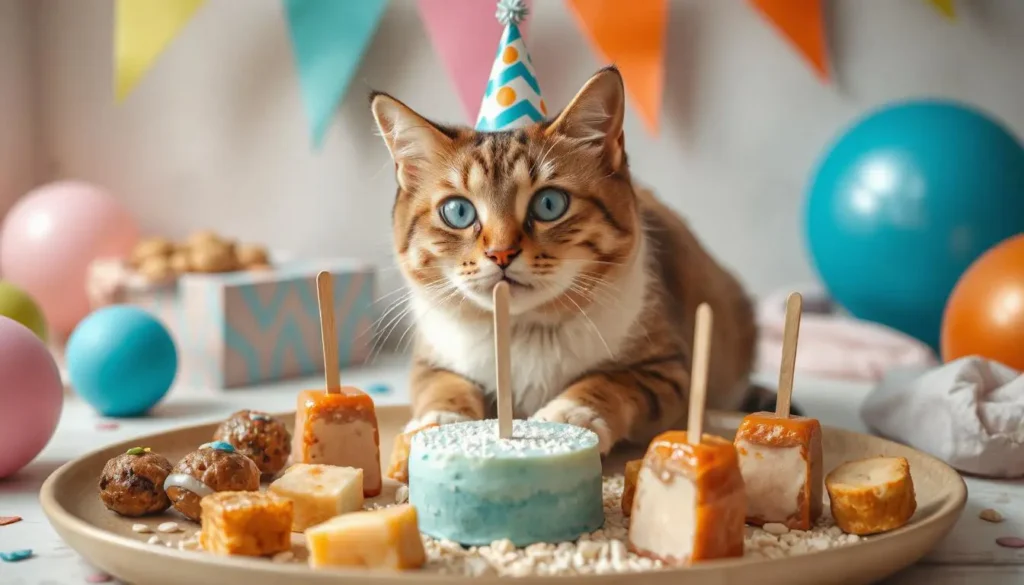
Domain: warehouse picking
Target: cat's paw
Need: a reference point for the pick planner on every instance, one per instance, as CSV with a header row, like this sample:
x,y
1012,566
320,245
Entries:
x,y
439,417
567,410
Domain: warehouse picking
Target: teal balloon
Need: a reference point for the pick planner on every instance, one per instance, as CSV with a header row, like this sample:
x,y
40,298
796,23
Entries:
x,y
904,201
121,360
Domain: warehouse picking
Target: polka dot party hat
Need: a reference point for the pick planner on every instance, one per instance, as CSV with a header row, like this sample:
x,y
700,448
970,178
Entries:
x,y
512,98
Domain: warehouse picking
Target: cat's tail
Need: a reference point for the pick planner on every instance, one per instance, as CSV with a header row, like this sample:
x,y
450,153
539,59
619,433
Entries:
x,y
761,399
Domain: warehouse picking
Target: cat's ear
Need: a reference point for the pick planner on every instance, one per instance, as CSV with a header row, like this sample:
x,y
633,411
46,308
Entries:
x,y
594,116
413,141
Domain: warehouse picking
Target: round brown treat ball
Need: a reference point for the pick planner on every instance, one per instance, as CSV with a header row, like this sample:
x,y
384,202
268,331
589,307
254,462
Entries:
x,y
214,467
132,484
258,436
203,237
149,248
179,262
156,269
251,255
212,257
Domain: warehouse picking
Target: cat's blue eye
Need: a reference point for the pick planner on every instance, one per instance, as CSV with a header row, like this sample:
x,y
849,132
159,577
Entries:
x,y
549,204
458,212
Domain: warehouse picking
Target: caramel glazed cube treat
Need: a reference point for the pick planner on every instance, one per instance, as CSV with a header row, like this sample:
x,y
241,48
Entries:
x,y
873,495
387,538
132,484
214,467
780,459
319,492
258,436
246,523
398,469
339,429
690,504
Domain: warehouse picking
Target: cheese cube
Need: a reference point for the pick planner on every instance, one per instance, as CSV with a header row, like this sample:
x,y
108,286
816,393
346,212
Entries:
x,y
339,429
689,504
398,470
319,492
245,523
629,485
388,538
780,459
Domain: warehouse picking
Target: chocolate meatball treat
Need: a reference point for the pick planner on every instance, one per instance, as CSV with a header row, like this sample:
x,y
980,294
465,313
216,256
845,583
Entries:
x,y
213,467
258,436
132,484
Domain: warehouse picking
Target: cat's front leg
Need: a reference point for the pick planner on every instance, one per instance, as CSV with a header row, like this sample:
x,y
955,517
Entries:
x,y
635,401
441,397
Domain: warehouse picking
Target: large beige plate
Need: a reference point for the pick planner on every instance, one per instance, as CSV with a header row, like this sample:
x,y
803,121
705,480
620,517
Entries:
x,y
69,498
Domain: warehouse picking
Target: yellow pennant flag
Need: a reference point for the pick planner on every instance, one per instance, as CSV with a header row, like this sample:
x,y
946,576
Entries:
x,y
946,7
142,30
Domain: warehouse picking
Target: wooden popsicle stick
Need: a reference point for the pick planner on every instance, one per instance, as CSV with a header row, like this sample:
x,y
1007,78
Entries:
x,y
328,332
699,373
790,335
502,359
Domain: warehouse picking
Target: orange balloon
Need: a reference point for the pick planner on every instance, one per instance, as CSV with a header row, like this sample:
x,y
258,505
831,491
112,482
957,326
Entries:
x,y
985,313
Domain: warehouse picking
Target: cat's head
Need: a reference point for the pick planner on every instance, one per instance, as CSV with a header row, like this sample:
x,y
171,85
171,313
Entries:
x,y
550,207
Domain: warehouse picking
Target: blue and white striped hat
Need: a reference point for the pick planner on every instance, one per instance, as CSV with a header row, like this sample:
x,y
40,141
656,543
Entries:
x,y
512,99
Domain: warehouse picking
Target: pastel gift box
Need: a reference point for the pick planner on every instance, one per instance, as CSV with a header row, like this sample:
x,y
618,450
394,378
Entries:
x,y
241,328
251,327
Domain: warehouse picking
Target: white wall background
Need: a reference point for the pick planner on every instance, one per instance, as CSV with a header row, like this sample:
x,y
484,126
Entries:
x,y
18,143
215,136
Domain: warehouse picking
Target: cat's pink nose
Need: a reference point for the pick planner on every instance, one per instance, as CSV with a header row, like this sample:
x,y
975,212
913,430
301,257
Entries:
x,y
503,257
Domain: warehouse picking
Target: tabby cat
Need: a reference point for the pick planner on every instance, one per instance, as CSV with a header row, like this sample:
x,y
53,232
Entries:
x,y
604,278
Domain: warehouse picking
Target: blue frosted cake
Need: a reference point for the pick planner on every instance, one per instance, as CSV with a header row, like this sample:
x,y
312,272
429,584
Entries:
x,y
541,485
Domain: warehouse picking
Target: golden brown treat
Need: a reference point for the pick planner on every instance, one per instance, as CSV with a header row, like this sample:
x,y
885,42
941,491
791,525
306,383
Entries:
x,y
212,257
320,492
339,429
211,468
248,255
246,523
872,495
202,238
259,437
149,248
398,469
629,485
690,503
179,262
388,538
259,267
132,484
156,269
781,462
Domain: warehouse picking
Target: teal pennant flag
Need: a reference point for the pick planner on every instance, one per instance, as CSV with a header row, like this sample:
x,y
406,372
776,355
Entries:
x,y
329,38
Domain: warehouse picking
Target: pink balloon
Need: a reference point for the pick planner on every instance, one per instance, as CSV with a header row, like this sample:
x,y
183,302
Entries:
x,y
31,396
50,237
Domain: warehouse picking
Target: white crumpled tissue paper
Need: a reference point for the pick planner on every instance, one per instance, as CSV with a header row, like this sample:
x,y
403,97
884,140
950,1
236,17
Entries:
x,y
969,413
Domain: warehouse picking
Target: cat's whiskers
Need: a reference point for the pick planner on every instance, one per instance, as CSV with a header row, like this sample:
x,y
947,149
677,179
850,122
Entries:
x,y
593,327
450,293
381,336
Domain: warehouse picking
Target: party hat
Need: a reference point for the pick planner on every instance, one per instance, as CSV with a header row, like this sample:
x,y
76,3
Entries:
x,y
512,99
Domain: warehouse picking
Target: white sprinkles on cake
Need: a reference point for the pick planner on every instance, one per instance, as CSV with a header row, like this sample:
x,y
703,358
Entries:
x,y
480,439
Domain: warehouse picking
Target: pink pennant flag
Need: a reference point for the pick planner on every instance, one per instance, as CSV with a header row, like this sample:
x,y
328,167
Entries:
x,y
465,34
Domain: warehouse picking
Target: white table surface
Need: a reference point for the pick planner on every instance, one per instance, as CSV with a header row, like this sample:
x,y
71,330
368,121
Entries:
x,y
968,556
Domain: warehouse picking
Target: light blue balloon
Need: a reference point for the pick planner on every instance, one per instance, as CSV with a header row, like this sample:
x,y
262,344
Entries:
x,y
904,202
121,360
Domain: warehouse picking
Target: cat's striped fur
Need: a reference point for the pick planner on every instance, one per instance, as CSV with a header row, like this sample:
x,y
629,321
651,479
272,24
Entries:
x,y
603,298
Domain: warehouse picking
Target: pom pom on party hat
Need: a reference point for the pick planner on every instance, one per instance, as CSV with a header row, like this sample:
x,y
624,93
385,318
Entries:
x,y
512,98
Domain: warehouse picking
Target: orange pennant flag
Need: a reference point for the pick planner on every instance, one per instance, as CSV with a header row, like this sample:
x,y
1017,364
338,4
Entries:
x,y
631,35
803,24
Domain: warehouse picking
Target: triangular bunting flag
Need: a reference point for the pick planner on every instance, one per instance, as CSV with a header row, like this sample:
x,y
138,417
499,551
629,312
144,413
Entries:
x,y
946,7
464,34
802,22
142,30
630,35
329,38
